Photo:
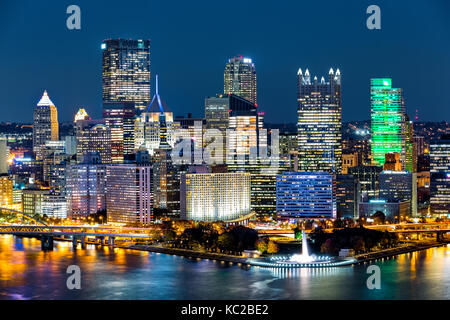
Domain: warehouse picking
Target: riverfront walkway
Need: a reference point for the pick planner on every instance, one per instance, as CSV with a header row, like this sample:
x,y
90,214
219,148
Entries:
x,y
188,253
391,252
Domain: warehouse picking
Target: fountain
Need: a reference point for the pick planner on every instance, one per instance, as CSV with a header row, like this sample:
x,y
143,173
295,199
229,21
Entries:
x,y
303,260
304,257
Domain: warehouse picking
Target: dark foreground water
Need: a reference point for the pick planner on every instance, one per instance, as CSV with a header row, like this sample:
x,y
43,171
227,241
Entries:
x,y
28,273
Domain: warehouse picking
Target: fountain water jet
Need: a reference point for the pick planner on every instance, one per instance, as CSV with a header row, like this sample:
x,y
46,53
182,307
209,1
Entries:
x,y
304,257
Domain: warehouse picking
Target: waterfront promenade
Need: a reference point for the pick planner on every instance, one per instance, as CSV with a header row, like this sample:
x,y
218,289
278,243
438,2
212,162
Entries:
x,y
361,258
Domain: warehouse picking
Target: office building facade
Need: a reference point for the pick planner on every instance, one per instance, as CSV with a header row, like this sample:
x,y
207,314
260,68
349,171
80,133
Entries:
x,y
306,195
126,71
387,120
215,196
240,78
45,125
319,122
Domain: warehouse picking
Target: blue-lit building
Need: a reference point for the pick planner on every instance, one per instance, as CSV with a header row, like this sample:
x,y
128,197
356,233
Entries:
x,y
399,186
440,176
306,195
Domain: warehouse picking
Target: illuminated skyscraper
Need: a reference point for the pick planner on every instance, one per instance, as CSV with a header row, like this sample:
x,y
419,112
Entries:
x,y
440,175
410,146
319,122
6,191
126,71
388,110
45,124
166,182
215,196
93,136
216,113
240,78
4,153
245,126
129,196
119,118
86,186
153,129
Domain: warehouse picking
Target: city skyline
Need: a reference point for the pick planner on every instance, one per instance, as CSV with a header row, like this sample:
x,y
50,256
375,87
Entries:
x,y
276,67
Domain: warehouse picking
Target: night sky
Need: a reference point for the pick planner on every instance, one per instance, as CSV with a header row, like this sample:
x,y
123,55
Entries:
x,y
192,40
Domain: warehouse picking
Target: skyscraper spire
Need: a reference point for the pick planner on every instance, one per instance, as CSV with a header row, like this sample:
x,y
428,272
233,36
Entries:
x,y
45,100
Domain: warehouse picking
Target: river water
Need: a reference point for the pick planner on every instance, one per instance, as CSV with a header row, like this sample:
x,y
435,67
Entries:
x,y
26,272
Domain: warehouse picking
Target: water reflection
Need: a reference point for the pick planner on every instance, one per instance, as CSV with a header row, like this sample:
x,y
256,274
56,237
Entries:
x,y
26,272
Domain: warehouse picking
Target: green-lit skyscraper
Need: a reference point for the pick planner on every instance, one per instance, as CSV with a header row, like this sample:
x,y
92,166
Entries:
x,y
388,110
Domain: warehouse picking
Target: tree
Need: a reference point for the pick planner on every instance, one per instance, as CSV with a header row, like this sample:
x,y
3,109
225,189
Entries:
x,y
328,247
272,247
379,217
225,242
261,246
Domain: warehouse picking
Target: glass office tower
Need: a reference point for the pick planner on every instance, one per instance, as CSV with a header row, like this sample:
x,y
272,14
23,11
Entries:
x,y
119,119
388,110
126,71
319,122
440,175
240,78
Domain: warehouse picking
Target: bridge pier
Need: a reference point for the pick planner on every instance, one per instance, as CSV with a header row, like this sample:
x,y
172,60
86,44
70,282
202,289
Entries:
x,y
46,242
83,242
111,241
102,239
74,242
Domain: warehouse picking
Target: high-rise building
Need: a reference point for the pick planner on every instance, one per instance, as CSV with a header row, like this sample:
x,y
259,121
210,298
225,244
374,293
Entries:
x,y
119,118
129,196
154,127
399,186
126,71
45,124
368,177
245,130
319,122
410,146
32,198
215,196
93,136
54,205
86,186
190,128
6,191
347,196
216,113
306,195
4,153
240,78
166,182
440,175
388,113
